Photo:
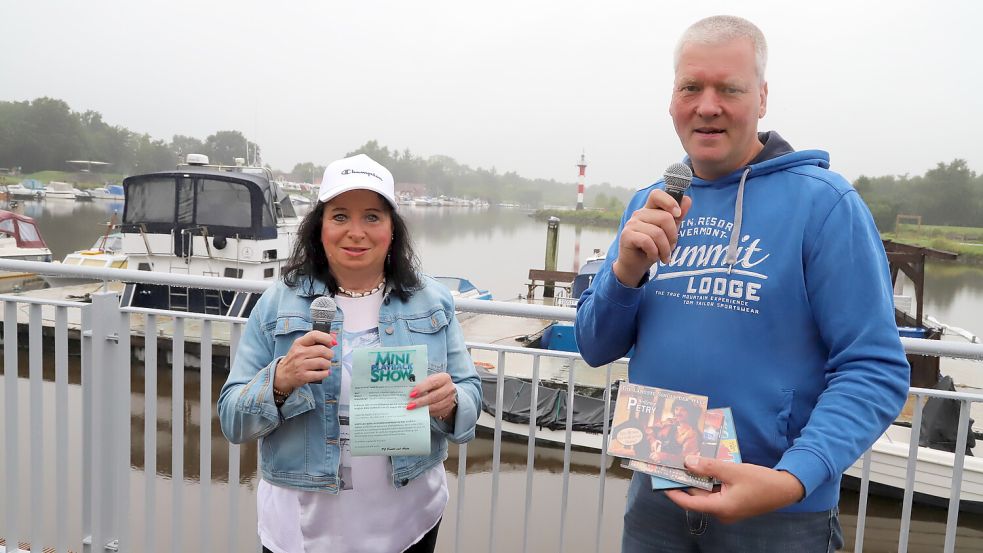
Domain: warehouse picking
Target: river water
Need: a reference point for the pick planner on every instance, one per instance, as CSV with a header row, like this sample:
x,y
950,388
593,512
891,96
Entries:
x,y
494,248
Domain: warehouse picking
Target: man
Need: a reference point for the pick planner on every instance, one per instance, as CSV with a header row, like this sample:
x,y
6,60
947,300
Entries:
x,y
766,289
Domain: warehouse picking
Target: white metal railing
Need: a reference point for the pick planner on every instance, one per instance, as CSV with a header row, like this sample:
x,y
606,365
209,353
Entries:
x,y
104,335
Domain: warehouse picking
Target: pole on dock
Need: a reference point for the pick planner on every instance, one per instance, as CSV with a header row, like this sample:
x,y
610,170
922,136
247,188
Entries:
x,y
552,239
576,248
580,181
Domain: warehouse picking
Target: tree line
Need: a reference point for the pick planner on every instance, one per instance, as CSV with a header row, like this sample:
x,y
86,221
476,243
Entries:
x,y
44,134
443,175
951,194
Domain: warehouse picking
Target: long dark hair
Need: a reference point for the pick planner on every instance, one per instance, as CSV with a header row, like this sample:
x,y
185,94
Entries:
x,y
309,261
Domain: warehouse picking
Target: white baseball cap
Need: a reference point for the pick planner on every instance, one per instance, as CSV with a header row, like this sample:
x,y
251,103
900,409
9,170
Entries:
x,y
358,172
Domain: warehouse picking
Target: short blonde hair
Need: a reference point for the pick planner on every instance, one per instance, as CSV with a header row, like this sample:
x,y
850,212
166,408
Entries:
x,y
718,29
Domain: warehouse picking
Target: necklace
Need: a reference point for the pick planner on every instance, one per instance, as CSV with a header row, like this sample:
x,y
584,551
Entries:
x,y
352,294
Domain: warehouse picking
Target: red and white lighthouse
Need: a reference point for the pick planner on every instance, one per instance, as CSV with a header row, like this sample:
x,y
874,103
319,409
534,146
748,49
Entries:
x,y
580,182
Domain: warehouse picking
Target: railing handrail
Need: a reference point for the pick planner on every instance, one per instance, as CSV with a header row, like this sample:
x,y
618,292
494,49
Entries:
x,y
918,346
130,275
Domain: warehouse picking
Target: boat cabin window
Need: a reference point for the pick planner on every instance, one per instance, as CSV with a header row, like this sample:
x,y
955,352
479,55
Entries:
x,y
7,226
223,203
28,232
151,201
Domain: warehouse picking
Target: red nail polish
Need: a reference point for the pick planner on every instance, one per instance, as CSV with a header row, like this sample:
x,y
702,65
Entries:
x,y
410,406
414,393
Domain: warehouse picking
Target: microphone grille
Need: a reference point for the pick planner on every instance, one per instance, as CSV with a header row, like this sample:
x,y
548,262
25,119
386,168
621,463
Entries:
x,y
323,309
678,177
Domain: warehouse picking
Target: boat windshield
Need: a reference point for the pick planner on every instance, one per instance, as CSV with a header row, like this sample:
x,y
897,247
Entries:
x,y
25,233
223,203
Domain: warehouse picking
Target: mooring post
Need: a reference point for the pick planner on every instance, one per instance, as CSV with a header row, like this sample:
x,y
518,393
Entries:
x,y
552,239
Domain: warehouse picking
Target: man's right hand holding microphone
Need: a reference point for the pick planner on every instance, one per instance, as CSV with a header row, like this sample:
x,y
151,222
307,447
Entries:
x,y
652,231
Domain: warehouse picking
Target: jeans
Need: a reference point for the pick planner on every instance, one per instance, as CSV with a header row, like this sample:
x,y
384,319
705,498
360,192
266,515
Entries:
x,y
653,523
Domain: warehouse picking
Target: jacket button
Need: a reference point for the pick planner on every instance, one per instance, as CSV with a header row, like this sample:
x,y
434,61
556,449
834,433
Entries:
x,y
404,482
389,330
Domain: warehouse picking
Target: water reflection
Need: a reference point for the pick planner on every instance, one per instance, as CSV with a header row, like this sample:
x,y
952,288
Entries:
x,y
954,293
67,225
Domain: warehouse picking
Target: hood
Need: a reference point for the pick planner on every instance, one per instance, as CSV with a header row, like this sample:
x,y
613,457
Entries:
x,y
777,155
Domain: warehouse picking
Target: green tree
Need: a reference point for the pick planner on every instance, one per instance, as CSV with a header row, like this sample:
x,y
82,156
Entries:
x,y
306,172
223,147
183,145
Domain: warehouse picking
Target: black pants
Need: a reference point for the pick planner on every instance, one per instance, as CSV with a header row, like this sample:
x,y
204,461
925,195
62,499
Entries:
x,y
426,544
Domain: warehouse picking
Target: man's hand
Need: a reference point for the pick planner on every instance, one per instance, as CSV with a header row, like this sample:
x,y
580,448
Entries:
x,y
649,236
308,360
747,490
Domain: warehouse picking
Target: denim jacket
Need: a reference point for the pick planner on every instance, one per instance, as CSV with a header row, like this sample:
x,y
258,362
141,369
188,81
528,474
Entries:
x,y
299,444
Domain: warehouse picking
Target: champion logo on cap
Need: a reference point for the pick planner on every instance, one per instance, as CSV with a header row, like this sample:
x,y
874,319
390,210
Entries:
x,y
350,171
359,172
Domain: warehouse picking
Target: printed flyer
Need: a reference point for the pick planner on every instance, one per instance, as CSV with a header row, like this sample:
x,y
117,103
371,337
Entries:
x,y
381,382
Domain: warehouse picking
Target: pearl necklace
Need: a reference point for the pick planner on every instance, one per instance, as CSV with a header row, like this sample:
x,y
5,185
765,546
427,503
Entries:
x,y
352,294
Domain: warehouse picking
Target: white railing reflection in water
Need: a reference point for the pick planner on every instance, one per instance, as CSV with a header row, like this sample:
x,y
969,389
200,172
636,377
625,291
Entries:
x,y
106,433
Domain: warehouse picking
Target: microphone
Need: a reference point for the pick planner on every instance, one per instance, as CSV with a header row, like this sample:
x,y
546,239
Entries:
x,y
678,177
322,313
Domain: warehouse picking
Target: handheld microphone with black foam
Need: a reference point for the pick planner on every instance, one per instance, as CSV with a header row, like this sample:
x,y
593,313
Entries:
x,y
678,177
322,313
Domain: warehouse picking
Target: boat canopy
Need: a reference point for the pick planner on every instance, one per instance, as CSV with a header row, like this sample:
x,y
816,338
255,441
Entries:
x,y
222,202
586,275
589,413
32,184
22,228
115,189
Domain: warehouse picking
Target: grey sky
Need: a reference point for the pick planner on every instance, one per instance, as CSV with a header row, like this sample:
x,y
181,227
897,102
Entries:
x,y
886,87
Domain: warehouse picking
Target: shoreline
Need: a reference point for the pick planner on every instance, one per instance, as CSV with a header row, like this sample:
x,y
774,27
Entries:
x,y
970,254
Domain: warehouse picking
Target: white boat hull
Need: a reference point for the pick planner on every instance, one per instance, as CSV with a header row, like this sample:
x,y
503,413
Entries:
x,y
933,472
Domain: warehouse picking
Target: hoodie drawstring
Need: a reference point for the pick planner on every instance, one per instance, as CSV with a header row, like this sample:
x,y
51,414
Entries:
x,y
735,236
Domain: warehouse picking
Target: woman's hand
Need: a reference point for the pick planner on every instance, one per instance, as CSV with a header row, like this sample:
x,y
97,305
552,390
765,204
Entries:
x,y
308,360
439,392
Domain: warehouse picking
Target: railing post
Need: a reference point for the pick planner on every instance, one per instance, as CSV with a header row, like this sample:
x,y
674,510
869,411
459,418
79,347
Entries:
x,y
102,376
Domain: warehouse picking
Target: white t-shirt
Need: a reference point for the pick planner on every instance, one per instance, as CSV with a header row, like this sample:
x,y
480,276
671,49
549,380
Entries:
x,y
359,518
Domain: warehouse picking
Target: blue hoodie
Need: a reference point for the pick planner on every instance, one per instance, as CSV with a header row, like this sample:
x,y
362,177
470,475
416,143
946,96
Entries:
x,y
776,302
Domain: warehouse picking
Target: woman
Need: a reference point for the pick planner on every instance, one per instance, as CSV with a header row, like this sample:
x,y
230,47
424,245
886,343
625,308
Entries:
x,y
288,389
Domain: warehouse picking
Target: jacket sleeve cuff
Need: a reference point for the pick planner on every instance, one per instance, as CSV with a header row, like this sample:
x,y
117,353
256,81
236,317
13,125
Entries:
x,y
462,428
805,465
300,400
612,290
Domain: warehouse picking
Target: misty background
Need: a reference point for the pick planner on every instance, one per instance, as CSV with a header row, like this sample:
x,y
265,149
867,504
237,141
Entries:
x,y
513,88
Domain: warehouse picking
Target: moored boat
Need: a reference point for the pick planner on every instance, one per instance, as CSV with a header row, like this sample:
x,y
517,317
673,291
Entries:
x,y
463,288
65,191
105,253
20,238
27,189
205,220
108,192
559,335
